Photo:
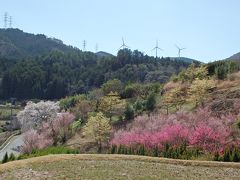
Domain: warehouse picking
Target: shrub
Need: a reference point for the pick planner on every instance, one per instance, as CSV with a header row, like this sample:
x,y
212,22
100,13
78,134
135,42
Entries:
x,y
11,157
151,102
49,150
221,69
192,73
238,124
129,112
113,85
5,158
33,140
76,125
208,139
70,101
168,151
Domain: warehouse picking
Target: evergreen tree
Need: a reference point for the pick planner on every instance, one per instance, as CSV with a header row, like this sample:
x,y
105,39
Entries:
x,y
11,157
151,102
5,158
129,112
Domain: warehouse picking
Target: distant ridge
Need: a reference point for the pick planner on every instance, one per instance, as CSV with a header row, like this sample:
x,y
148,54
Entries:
x,y
103,54
235,57
188,60
16,44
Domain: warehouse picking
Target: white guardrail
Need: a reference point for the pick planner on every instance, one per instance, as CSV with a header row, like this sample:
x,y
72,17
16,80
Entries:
x,y
5,143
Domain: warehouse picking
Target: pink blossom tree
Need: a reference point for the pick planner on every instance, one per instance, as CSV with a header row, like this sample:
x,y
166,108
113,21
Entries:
x,y
200,129
48,133
33,140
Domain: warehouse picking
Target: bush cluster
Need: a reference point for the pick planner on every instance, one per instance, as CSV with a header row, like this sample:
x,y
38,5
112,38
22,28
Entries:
x,y
7,158
47,151
168,151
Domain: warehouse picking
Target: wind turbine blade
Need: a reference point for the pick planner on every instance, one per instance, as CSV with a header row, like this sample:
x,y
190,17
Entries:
x,y
183,48
160,49
153,48
120,47
177,46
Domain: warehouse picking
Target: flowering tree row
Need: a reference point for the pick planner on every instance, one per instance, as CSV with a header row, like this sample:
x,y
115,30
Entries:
x,y
201,129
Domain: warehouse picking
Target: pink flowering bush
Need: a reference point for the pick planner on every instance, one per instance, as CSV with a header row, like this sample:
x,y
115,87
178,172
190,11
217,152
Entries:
x,y
58,129
174,135
200,129
33,140
208,138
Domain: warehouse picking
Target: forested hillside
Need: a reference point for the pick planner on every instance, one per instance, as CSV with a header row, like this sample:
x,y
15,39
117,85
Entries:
x,y
57,74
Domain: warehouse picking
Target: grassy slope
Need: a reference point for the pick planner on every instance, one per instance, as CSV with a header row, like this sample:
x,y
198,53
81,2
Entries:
x,y
115,167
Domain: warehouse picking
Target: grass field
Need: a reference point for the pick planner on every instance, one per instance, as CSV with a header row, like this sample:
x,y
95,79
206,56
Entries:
x,y
116,167
6,112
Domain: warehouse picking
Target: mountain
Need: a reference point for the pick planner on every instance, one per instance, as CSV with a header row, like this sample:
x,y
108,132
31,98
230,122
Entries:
x,y
234,57
15,43
187,60
36,66
101,54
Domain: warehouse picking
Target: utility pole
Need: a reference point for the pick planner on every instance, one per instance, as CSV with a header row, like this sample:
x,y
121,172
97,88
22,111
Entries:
x,y
5,20
10,21
96,48
84,45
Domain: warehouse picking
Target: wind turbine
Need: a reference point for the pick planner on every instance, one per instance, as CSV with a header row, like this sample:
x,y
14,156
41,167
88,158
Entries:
x,y
157,48
179,50
123,46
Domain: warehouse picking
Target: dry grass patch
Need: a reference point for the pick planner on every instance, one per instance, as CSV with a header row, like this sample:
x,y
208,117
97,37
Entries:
x,y
116,167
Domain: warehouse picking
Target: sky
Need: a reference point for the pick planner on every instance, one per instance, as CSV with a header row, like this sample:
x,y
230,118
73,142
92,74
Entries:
x,y
208,29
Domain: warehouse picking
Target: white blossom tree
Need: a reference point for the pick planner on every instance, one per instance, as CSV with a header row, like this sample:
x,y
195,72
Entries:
x,y
34,114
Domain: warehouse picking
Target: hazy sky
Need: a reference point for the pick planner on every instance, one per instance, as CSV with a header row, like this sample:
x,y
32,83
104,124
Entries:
x,y
209,29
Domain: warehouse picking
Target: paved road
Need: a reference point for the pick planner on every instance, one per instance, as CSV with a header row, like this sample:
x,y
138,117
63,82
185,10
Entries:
x,y
15,142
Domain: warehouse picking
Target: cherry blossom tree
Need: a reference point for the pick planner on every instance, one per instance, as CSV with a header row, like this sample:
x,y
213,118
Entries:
x,y
36,113
48,133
